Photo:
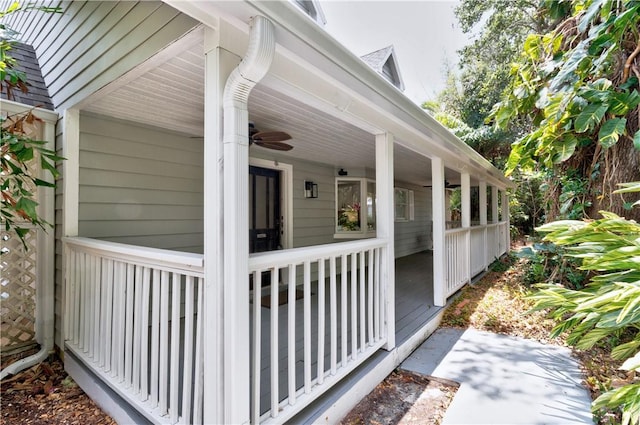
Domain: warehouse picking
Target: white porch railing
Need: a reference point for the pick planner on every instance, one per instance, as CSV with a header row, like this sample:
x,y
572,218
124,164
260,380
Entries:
x,y
457,272
300,348
478,249
134,316
470,250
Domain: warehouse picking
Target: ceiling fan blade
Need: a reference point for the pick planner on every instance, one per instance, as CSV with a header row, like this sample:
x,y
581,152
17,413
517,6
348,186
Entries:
x,y
271,136
279,146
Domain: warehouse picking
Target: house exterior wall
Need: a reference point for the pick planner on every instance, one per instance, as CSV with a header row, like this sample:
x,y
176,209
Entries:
x,y
140,186
415,235
96,42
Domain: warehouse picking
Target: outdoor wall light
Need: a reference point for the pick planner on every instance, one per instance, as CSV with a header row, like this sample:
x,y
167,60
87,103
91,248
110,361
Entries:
x,y
310,189
342,172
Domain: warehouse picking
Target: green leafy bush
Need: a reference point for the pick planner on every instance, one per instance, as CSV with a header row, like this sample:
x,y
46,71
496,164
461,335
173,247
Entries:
x,y
608,308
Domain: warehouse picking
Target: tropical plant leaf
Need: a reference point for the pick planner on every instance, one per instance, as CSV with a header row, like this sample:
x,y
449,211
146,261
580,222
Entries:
x,y
611,130
590,117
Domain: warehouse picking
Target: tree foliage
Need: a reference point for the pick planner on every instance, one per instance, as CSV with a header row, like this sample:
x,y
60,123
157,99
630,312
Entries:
x,y
578,83
19,156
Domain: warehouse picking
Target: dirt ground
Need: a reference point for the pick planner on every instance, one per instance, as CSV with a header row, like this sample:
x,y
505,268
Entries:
x,y
404,398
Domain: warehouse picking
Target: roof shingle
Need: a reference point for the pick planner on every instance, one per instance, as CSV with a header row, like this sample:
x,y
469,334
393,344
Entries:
x,y
27,62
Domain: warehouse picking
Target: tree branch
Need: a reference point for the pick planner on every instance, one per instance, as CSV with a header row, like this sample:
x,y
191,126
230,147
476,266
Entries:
x,y
629,63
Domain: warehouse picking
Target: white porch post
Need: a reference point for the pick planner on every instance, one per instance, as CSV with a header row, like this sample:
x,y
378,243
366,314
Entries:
x,y
494,204
385,227
71,171
70,199
494,219
465,187
439,226
506,218
482,189
218,65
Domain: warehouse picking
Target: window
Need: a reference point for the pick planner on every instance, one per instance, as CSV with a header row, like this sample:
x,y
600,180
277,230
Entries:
x,y
404,208
355,207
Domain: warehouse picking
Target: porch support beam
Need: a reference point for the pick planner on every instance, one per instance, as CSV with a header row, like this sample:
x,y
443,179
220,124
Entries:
x,y
505,218
385,225
439,226
465,188
494,204
482,188
482,191
71,171
236,335
71,191
217,69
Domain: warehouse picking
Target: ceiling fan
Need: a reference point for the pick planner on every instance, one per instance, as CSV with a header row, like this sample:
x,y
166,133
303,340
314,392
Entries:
x,y
448,185
269,139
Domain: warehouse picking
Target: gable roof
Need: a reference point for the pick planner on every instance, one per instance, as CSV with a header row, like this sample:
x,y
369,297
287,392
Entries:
x,y
312,9
384,62
27,62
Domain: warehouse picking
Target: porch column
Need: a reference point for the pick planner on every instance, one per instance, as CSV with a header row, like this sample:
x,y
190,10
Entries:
x,y
70,198
482,190
70,171
385,223
505,218
494,219
439,226
218,65
465,188
494,204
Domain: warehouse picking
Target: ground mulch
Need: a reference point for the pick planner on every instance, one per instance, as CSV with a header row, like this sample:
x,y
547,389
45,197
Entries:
x,y
45,394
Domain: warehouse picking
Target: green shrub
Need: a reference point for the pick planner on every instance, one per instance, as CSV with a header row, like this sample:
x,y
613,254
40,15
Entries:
x,y
607,310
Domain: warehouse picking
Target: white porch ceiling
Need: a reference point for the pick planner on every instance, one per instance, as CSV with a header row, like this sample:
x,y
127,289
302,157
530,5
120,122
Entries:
x,y
170,95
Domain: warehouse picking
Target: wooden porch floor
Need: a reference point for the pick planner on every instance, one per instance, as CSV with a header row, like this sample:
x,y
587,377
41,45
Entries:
x,y
413,308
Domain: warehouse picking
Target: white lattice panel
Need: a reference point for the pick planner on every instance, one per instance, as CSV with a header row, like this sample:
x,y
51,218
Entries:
x,y
17,289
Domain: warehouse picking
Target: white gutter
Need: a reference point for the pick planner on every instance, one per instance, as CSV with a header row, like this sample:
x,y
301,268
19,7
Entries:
x,y
235,139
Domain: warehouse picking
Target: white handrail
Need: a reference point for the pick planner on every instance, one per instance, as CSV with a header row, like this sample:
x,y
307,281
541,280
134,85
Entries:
x,y
268,260
184,261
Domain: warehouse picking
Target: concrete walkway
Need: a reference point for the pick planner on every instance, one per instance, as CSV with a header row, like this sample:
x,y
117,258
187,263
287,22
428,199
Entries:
x,y
504,380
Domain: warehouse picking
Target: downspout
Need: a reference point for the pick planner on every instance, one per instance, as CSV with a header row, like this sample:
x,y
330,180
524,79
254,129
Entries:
x,y
236,336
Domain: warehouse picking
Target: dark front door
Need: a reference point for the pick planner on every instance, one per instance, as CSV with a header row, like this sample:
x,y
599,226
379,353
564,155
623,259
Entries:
x,y
264,209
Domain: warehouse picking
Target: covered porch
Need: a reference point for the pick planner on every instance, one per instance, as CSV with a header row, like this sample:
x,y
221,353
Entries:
x,y
163,300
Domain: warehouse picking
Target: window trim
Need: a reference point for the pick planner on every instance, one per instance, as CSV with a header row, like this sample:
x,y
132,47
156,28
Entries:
x,y
410,205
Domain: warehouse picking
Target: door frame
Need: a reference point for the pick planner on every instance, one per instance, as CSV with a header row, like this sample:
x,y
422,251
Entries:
x,y
286,195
